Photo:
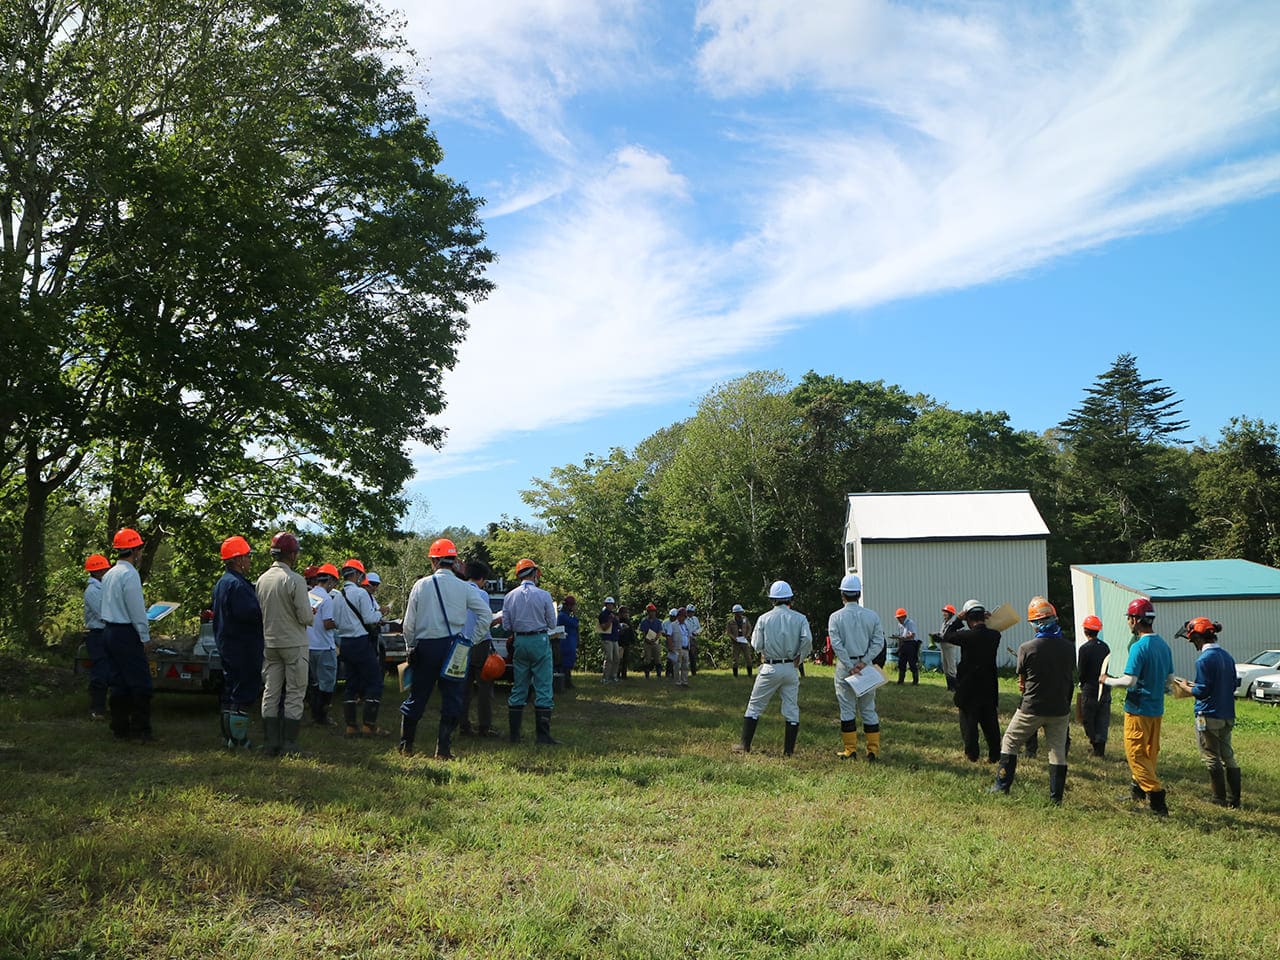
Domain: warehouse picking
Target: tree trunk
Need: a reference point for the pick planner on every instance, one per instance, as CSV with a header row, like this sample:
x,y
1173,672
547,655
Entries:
x,y
31,563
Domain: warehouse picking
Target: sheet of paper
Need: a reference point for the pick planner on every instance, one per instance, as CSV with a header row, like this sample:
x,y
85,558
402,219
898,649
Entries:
x,y
866,681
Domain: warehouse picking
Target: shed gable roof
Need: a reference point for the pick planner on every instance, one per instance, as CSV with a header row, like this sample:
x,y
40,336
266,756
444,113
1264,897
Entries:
x,y
967,515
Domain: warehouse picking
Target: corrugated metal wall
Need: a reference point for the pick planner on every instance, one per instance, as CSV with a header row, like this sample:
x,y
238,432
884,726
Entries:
x,y
1248,625
924,576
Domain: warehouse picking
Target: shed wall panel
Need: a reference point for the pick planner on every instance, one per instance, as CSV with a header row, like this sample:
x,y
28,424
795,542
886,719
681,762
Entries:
x,y
924,576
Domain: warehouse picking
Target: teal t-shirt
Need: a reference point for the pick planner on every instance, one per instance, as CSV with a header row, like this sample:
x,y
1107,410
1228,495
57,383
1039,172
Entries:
x,y
1151,662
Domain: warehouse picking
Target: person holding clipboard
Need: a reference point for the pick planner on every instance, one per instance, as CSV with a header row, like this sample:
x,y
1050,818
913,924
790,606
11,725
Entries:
x,y
857,638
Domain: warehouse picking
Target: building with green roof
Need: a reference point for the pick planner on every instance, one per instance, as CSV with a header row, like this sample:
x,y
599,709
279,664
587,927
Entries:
x,y
1241,595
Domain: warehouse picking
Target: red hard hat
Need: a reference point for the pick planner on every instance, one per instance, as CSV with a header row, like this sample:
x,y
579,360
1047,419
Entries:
x,y
233,547
651,607
524,565
441,548
284,542
949,609
95,562
493,668
328,569
126,539
1141,608
569,600
353,564
1092,623
310,573
900,612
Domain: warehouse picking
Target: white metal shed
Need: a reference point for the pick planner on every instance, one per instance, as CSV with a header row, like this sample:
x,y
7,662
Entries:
x,y
923,550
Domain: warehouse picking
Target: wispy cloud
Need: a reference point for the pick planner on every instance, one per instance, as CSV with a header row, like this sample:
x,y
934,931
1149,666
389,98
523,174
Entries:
x,y
869,151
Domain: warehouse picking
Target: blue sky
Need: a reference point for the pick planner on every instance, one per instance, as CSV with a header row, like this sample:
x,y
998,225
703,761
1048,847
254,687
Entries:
x,y
983,202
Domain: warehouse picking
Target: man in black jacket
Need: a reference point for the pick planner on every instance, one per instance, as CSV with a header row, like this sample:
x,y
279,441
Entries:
x,y
1046,666
976,694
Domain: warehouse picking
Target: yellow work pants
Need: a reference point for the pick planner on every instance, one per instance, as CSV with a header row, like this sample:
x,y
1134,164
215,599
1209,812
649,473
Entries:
x,y
1141,747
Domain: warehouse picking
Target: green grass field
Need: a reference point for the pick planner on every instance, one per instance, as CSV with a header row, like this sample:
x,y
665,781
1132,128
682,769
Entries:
x,y
641,836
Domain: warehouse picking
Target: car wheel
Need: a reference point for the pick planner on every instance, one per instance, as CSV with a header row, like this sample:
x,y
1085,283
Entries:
x,y
1248,691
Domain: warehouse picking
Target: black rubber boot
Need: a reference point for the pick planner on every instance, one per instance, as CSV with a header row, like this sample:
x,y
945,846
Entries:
x,y
1136,793
1158,806
1057,781
789,740
444,741
542,717
1099,748
370,728
272,738
735,669
1233,788
515,717
1004,773
748,734
289,734
408,730
141,718
1218,778
118,706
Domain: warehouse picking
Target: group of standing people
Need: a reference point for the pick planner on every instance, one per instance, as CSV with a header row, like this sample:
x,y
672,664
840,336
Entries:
x,y
280,640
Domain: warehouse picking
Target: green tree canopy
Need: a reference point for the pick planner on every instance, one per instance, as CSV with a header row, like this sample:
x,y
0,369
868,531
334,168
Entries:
x,y
231,272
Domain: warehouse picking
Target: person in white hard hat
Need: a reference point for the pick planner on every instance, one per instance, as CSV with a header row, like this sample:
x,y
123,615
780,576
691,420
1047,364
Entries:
x,y
694,627
783,639
857,637
977,690
677,631
739,631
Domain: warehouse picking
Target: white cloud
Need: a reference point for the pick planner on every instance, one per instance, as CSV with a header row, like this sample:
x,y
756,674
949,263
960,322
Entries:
x,y
521,59
1049,137
873,151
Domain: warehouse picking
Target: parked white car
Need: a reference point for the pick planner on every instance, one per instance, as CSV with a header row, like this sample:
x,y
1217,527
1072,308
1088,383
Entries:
x,y
1268,661
1266,688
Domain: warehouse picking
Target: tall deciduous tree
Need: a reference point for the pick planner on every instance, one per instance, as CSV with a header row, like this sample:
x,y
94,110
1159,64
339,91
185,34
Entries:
x,y
1237,492
231,275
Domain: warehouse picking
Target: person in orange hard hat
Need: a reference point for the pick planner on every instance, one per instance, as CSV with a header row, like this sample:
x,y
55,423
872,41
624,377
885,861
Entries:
x,y
1215,711
908,648
127,637
237,632
948,652
650,631
322,644
1095,699
441,609
356,618
96,565
529,613
1045,667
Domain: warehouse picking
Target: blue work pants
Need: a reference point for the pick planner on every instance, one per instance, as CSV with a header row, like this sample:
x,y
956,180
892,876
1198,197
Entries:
x,y
99,670
359,657
427,660
241,674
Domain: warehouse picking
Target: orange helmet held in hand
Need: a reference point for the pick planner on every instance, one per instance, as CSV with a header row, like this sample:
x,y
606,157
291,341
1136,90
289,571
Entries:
x,y
493,668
